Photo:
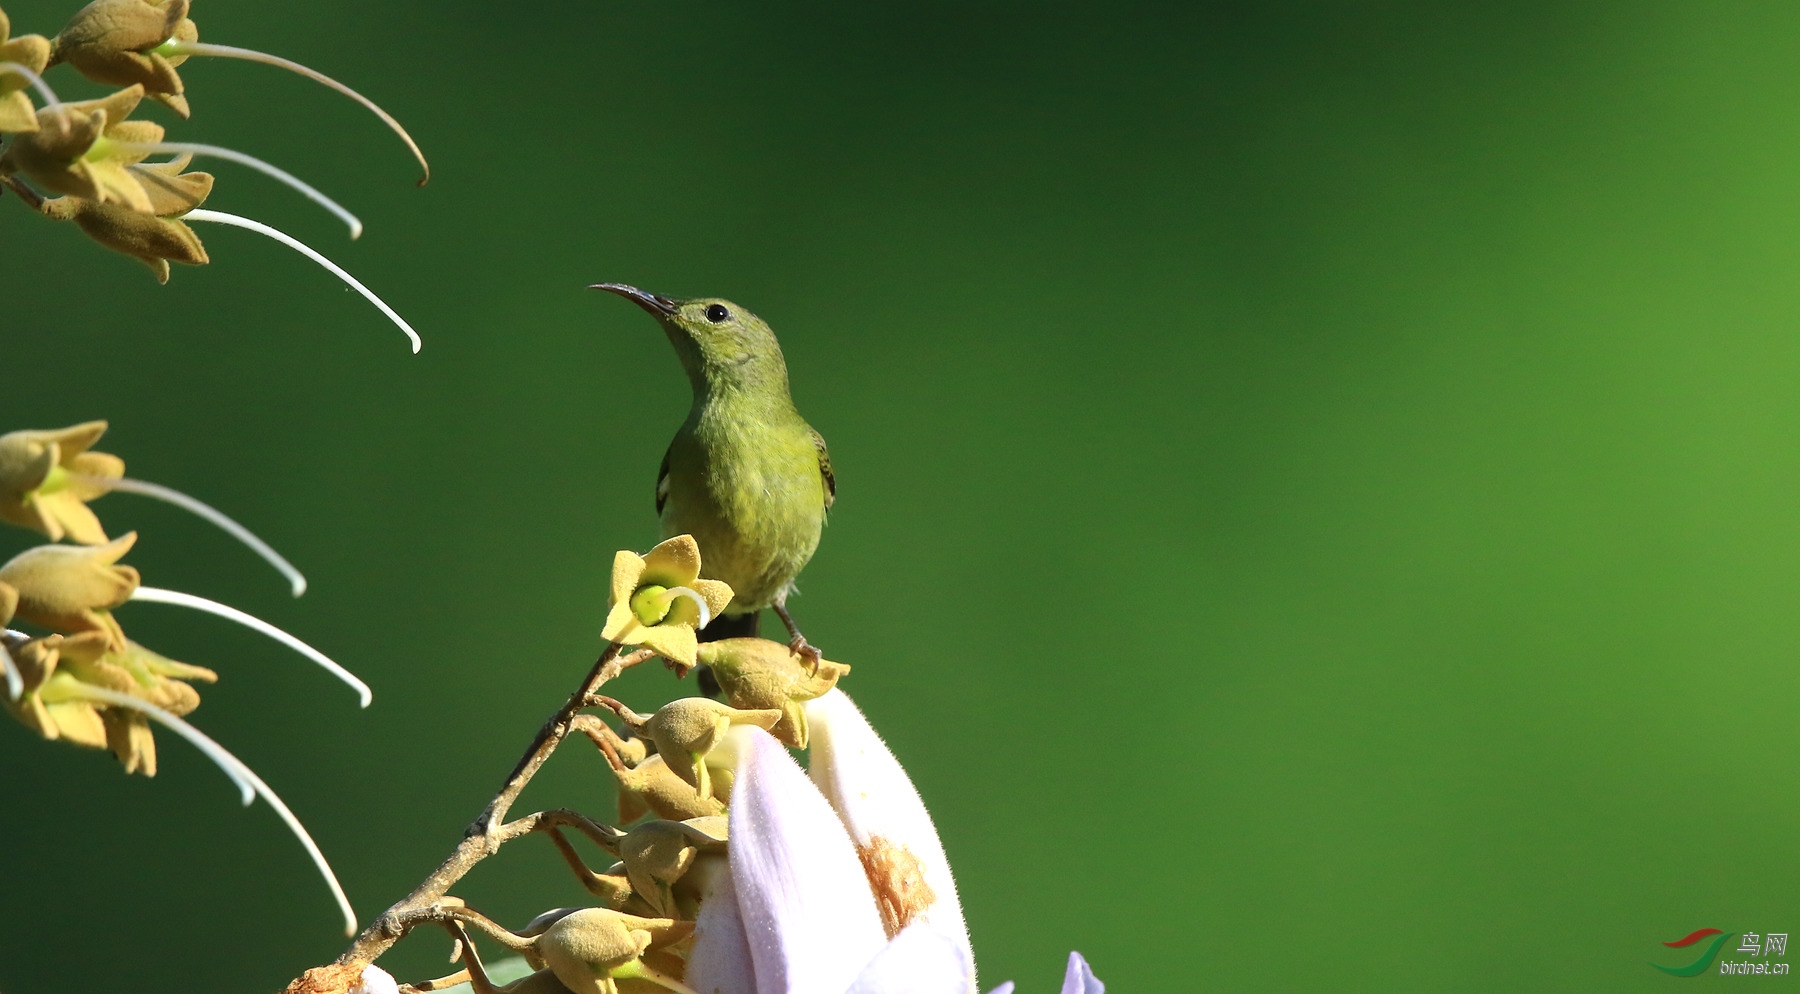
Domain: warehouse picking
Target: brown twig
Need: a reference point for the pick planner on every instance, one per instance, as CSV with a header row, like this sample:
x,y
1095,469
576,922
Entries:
x,y
484,837
31,197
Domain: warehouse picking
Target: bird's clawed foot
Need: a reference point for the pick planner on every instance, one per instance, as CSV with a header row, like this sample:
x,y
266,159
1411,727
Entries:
x,y
799,646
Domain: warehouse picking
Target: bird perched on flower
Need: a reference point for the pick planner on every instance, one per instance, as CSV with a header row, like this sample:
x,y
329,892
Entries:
x,y
745,474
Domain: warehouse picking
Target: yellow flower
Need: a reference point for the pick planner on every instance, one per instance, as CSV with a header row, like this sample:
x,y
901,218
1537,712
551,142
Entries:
x,y
36,488
658,600
57,670
111,42
86,150
757,674
73,589
32,52
51,704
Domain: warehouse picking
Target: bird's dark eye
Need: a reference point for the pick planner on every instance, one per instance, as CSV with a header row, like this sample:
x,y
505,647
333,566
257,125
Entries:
x,y
717,313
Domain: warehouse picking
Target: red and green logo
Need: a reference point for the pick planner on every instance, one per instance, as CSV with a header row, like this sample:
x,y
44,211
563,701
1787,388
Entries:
x,y
1706,957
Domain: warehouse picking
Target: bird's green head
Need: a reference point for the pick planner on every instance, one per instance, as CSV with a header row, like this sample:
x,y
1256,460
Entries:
x,y
721,345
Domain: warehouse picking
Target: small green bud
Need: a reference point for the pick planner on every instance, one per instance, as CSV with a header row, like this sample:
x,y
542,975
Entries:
x,y
650,604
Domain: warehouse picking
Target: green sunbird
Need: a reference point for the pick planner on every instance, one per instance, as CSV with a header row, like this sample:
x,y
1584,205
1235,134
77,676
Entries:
x,y
745,474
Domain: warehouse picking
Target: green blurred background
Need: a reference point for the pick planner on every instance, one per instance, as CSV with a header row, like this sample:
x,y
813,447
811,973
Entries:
x,y
1320,506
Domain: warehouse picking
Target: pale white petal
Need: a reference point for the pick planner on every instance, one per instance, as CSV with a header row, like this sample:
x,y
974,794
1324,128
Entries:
x,y
15,684
805,903
871,792
920,960
721,961
1006,988
1080,979
375,980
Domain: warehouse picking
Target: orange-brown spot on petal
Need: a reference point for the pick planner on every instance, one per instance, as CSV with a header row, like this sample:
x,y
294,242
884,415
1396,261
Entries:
x,y
898,880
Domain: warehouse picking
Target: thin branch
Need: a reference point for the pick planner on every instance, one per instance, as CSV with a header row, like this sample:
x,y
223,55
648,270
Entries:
x,y
484,836
32,198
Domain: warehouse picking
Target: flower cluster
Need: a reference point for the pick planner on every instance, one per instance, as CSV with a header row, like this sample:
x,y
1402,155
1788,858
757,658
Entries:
x,y
736,871
88,161
81,679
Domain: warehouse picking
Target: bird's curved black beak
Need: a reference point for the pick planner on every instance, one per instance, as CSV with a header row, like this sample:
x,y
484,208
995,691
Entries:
x,y
659,306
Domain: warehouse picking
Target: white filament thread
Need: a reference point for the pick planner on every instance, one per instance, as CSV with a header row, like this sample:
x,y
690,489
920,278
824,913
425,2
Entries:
x,y
15,684
156,595
268,169
250,786
177,48
220,217
201,509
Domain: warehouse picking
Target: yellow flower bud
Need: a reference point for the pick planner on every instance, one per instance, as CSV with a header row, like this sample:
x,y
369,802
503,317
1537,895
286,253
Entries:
x,y
591,950
686,730
111,42
652,787
657,853
152,240
73,589
759,674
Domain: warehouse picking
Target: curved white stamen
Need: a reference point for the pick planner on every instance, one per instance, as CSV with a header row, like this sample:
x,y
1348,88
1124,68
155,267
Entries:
x,y
224,760
232,155
199,508
36,81
699,602
179,48
312,849
220,217
249,784
15,684
156,595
